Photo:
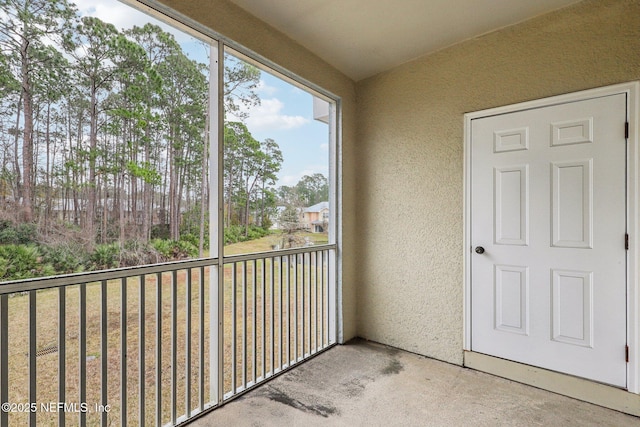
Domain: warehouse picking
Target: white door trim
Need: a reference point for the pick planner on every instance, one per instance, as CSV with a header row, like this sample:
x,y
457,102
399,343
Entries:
x,y
632,90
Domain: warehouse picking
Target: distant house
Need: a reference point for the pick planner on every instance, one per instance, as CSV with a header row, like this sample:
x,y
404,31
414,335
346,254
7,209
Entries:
x,y
65,209
316,218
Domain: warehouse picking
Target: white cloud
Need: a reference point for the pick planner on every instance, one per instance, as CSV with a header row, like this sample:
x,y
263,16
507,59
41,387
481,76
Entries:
x,y
123,16
265,88
267,116
324,147
289,180
310,170
113,12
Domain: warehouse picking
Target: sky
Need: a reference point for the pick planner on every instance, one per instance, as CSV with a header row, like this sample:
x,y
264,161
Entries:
x,y
286,111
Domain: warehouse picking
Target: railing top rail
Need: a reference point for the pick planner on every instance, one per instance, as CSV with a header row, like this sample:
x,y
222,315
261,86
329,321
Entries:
x,y
282,252
38,283
73,279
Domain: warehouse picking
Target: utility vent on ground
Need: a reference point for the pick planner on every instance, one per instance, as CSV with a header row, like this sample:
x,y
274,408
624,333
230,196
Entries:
x,y
47,350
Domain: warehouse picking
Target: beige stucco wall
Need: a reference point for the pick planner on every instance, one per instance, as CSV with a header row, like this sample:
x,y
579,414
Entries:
x,y
235,24
410,149
403,165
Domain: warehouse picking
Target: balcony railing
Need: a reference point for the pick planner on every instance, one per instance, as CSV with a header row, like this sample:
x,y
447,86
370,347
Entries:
x,y
157,345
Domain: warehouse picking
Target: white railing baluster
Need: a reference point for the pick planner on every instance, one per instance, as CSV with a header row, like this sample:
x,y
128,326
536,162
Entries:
x,y
303,304
234,326
4,357
309,304
187,391
201,346
142,347
104,356
317,305
272,320
280,317
254,318
289,319
158,349
322,305
32,354
294,265
332,299
62,351
264,322
174,345
244,325
82,340
123,352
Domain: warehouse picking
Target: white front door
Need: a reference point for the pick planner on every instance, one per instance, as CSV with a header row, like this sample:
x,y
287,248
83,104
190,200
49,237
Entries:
x,y
548,226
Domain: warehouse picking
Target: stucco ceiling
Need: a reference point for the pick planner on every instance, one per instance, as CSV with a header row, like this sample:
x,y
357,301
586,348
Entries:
x,y
364,37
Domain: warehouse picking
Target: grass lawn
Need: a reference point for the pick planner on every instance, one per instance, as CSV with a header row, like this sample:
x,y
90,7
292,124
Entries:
x,y
266,243
292,301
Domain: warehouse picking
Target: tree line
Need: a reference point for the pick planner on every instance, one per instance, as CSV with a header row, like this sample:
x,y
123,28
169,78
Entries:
x,y
106,130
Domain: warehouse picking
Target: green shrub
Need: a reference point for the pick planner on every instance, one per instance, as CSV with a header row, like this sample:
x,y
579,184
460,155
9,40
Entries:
x,y
195,240
190,224
105,256
256,233
4,268
8,236
186,249
236,233
267,223
135,252
160,231
232,234
172,250
65,258
164,247
20,234
23,262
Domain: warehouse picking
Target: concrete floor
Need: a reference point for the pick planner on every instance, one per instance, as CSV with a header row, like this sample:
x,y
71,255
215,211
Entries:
x,y
367,384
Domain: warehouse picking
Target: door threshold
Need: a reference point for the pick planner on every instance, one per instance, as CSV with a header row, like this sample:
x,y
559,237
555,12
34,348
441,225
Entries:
x,y
567,385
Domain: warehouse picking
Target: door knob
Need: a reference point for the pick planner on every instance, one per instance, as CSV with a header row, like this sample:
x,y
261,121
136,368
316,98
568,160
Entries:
x,y
479,250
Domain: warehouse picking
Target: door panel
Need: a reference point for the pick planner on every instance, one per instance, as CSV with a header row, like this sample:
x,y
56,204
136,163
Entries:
x,y
572,307
571,210
512,299
511,197
548,205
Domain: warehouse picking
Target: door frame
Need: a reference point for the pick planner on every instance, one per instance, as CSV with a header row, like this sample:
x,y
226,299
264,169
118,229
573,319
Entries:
x,y
632,90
